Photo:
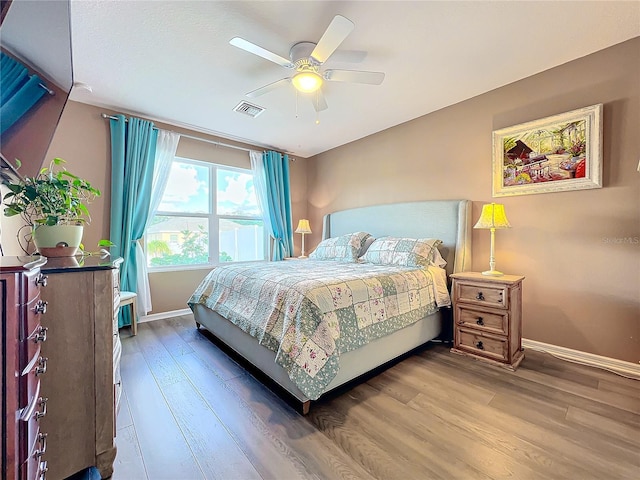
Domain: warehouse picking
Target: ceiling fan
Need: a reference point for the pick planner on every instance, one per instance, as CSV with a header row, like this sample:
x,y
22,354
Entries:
x,y
306,58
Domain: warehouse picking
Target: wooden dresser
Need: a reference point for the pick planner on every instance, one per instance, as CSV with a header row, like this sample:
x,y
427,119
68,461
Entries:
x,y
24,401
488,318
83,344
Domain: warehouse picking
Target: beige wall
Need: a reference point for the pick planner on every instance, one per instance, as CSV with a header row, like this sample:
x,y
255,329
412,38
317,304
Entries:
x,y
581,290
83,140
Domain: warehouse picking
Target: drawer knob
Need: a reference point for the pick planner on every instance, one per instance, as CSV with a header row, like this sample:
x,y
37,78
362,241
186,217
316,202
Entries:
x,y
479,296
41,280
479,346
40,307
41,336
42,440
42,368
479,321
42,401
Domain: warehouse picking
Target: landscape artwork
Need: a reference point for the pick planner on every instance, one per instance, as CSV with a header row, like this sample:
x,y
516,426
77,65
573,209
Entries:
x,y
558,153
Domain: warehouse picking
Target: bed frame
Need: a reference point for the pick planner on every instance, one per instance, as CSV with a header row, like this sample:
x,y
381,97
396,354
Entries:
x,y
447,220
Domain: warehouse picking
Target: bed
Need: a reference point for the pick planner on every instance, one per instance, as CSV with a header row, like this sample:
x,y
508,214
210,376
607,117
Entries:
x,y
446,220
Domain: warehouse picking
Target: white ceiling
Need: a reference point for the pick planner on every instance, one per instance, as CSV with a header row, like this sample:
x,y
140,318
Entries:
x,y
172,61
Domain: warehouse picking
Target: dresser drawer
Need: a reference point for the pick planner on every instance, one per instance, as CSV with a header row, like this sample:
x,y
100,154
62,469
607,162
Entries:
x,y
33,313
485,320
117,379
115,320
116,284
30,430
30,380
32,283
30,346
478,294
28,426
479,343
34,467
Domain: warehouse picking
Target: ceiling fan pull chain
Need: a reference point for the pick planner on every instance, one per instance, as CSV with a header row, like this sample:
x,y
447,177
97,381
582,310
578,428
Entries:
x,y
296,103
317,107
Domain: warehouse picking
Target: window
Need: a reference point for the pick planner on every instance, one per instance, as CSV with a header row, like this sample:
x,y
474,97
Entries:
x,y
208,214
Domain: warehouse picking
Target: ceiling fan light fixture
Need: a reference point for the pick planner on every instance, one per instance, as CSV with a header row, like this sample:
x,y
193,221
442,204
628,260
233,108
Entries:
x,y
307,82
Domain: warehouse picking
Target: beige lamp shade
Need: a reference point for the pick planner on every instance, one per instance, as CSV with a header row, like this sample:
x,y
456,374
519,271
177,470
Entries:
x,y
493,216
303,226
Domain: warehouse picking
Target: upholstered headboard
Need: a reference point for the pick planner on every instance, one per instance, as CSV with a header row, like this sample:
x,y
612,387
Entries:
x,y
447,220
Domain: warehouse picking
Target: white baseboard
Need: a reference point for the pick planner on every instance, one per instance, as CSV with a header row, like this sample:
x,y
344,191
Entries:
x,y
626,369
163,315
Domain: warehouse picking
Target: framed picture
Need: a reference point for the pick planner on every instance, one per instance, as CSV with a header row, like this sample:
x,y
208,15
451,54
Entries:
x,y
553,154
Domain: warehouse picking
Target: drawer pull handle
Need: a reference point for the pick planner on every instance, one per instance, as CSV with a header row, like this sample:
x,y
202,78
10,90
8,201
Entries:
x,y
479,296
479,346
42,440
41,336
480,321
43,470
40,307
42,361
42,401
41,280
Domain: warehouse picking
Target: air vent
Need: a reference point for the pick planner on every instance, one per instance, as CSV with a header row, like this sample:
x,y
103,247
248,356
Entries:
x,y
249,109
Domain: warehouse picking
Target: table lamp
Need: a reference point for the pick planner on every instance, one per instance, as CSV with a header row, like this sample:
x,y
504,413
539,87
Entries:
x,y
303,229
492,217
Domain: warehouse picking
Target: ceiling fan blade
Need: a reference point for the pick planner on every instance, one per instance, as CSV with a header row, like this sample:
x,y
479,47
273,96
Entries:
x,y
319,102
339,28
261,52
354,76
267,88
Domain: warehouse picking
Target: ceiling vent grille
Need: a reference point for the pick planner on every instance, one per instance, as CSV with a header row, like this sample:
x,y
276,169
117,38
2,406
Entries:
x,y
249,109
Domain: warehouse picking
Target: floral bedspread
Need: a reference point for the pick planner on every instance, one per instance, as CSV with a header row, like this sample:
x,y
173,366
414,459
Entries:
x,y
309,312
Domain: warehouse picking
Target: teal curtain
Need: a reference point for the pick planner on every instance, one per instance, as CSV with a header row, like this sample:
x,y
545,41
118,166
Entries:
x,y
276,170
19,91
133,151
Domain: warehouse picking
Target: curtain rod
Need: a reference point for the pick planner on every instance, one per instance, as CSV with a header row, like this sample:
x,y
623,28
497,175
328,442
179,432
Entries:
x,y
206,140
49,91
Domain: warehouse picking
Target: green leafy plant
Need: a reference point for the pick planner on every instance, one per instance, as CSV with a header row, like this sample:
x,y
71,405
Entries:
x,y
53,197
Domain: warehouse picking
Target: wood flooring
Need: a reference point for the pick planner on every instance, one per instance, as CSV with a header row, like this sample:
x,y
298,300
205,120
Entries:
x,y
190,412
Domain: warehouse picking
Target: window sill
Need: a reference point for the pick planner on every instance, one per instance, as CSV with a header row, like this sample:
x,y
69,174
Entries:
x,y
184,268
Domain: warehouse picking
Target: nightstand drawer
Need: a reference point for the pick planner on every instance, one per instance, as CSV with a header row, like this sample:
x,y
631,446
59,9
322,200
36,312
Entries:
x,y
485,320
481,344
478,294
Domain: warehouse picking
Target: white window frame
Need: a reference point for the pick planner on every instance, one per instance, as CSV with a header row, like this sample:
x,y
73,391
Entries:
x,y
212,219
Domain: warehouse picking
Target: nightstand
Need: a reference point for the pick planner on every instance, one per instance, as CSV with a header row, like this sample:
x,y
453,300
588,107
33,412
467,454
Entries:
x,y
488,318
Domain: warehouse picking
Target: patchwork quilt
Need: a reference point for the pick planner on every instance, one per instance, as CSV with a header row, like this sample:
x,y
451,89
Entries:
x,y
309,312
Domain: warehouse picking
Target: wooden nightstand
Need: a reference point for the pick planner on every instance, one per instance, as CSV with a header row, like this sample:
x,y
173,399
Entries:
x,y
488,318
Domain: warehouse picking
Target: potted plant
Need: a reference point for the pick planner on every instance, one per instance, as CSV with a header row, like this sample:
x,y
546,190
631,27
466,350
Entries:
x,y
54,205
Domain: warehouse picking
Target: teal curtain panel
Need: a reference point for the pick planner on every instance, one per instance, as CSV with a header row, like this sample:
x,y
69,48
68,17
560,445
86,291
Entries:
x,y
133,150
276,169
19,93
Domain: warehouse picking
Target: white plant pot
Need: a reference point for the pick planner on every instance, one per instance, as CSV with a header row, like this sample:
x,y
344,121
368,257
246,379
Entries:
x,y
57,240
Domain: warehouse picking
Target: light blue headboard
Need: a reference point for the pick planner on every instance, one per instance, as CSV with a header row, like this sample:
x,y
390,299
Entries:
x,y
447,220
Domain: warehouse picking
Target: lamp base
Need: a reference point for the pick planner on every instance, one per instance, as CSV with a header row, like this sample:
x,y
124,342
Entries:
x,y
304,256
493,273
